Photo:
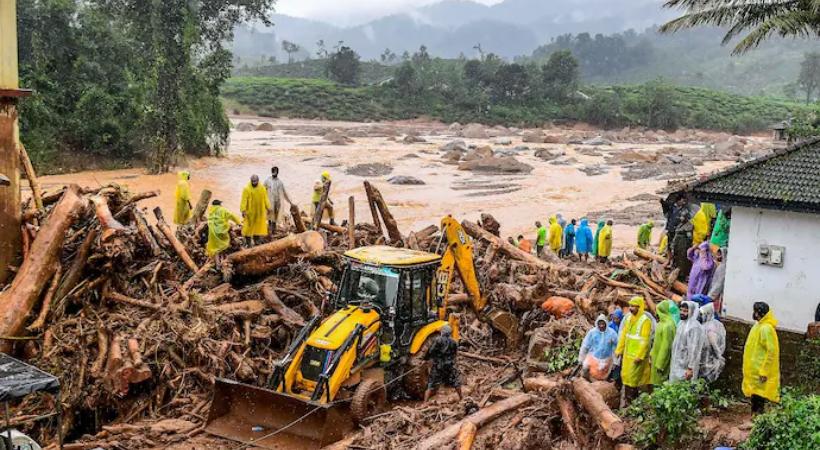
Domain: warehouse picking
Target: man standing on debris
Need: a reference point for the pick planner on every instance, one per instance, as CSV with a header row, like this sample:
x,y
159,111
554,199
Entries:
x,y
761,359
182,198
276,191
633,345
524,244
569,238
254,208
645,234
219,230
318,189
597,350
661,353
555,236
583,240
444,369
605,242
712,360
541,240
688,344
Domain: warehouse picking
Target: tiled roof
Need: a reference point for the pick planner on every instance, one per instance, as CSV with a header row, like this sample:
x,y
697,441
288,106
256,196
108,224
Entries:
x,y
787,179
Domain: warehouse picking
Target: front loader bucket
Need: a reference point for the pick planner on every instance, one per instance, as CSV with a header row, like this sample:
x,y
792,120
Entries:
x,y
272,420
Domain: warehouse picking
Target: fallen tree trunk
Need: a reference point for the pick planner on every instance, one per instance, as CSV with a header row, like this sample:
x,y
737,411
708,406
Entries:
x,y
374,210
144,230
540,384
52,288
389,221
476,232
480,418
247,309
326,226
19,300
351,223
466,436
75,272
285,313
178,247
568,415
646,254
268,257
297,218
594,404
201,207
320,207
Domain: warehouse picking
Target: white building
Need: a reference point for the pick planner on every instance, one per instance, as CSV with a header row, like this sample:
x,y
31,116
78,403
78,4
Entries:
x,y
774,240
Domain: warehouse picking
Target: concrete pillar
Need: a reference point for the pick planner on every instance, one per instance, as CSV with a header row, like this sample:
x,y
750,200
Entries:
x,y
9,158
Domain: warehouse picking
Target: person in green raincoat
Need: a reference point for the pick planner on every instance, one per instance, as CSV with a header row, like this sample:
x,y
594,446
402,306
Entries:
x,y
601,225
720,235
661,353
674,311
633,345
219,227
182,198
645,234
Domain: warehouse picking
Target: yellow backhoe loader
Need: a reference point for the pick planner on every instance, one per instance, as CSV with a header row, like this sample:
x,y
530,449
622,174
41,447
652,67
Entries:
x,y
337,371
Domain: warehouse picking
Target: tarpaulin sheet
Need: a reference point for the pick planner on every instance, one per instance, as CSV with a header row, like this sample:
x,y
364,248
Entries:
x,y
18,379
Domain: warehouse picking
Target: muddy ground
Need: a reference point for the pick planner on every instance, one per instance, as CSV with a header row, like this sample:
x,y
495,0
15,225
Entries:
x,y
583,170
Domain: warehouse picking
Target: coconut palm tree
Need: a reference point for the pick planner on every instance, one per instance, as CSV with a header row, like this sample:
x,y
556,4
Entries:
x,y
760,19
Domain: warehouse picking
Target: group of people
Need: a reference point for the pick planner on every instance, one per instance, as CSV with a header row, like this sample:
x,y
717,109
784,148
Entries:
x,y
260,208
567,238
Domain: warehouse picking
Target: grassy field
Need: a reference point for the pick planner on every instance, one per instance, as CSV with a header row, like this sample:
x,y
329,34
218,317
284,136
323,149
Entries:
x,y
316,98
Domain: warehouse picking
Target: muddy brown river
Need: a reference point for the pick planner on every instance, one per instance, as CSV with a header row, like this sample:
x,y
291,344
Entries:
x,y
300,152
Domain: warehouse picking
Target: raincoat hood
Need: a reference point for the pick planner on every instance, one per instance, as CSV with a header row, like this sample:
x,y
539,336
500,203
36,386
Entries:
x,y
601,224
709,209
707,312
617,313
650,224
663,310
674,311
184,175
584,223
692,320
553,219
640,303
325,176
769,319
600,318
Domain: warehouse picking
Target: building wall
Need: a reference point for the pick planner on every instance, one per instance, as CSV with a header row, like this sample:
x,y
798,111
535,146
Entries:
x,y
9,156
792,291
8,44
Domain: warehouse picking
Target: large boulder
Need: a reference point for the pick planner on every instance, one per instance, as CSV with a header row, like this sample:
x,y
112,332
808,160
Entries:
x,y
369,170
598,140
404,180
504,164
336,137
553,139
474,131
264,126
458,145
245,126
413,139
533,137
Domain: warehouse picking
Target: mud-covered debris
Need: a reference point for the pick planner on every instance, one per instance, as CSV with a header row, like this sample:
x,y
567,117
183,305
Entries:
x,y
405,180
369,170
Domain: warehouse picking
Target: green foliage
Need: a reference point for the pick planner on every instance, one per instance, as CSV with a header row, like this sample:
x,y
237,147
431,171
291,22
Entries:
x,y
792,425
657,106
560,75
370,72
668,416
562,357
809,79
601,55
343,66
805,124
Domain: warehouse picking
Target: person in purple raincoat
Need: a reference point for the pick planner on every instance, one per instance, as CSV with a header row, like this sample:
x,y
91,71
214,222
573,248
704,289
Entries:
x,y
703,267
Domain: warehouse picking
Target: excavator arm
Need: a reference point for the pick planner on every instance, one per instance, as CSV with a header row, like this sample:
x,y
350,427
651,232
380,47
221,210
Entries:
x,y
458,258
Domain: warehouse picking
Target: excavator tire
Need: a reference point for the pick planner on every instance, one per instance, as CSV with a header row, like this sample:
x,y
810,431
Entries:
x,y
415,382
369,398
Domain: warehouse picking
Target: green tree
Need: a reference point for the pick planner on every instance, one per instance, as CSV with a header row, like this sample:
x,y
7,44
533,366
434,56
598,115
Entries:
x,y
809,79
290,48
560,75
406,79
511,82
759,19
657,106
343,66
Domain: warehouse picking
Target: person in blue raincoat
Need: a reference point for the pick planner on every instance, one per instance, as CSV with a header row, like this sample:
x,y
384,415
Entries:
x,y
569,239
583,240
597,350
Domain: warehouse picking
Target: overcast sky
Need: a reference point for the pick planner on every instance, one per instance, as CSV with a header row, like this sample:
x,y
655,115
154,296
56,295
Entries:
x,y
350,12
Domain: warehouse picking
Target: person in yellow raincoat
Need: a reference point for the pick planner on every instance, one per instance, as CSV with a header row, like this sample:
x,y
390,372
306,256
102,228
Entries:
x,y
761,360
219,227
555,234
318,188
254,207
702,222
633,345
182,198
605,242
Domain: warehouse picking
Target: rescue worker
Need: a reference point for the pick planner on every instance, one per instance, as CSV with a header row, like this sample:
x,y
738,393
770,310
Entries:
x,y
318,189
712,361
615,319
703,267
645,234
633,346
569,239
702,222
254,207
688,345
219,227
182,198
524,244
541,239
661,354
444,369
597,239
605,242
761,359
597,350
720,235
276,191
555,236
583,240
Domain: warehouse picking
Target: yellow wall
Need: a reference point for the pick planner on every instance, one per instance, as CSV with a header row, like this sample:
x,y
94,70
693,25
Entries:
x,y
8,44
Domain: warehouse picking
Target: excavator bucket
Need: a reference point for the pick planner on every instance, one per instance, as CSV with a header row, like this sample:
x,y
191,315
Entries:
x,y
507,324
272,420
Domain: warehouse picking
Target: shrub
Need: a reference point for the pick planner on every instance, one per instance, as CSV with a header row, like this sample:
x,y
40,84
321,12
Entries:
x,y
793,425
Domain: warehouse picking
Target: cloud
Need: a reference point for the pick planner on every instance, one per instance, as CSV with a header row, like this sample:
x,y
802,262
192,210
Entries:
x,y
351,12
